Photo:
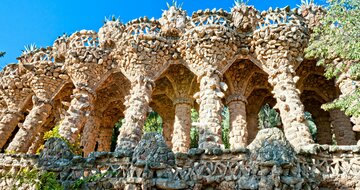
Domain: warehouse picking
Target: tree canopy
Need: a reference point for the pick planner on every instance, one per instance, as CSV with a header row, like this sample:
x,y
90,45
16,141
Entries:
x,y
335,43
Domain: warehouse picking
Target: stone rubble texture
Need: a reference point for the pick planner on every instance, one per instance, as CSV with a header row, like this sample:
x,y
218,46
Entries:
x,y
243,59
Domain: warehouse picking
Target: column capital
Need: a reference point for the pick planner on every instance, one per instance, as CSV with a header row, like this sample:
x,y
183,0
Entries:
x,y
236,97
209,72
183,100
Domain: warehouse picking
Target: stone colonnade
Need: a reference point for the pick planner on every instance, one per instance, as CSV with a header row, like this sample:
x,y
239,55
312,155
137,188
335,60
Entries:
x,y
207,45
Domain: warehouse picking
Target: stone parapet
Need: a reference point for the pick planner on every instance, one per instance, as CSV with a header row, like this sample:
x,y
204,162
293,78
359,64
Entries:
x,y
329,167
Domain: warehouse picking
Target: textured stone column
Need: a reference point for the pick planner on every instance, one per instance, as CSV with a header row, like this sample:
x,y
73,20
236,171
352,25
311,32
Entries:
x,y
8,123
238,136
290,107
39,138
90,133
31,126
182,125
210,111
137,106
80,108
168,128
324,134
342,128
252,125
280,53
104,139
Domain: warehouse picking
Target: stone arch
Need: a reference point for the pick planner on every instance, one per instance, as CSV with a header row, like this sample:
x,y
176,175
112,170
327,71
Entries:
x,y
163,105
257,98
312,102
99,124
315,87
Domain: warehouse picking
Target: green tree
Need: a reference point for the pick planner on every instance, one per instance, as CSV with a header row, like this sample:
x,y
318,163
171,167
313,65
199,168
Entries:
x,y
225,127
153,123
115,134
2,53
311,124
268,117
335,43
194,132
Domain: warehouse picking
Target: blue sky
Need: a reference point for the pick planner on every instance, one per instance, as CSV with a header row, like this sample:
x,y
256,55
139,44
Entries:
x,y
41,21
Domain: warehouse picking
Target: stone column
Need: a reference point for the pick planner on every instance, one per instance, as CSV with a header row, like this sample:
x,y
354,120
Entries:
x,y
342,128
289,104
324,134
137,106
252,125
182,124
104,139
80,108
31,126
39,138
168,129
90,133
210,111
238,136
8,123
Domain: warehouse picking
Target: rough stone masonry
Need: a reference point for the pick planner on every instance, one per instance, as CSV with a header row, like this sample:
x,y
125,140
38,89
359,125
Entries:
x,y
242,59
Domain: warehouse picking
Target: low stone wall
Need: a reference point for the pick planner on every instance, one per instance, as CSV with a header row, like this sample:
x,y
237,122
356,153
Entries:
x,y
268,163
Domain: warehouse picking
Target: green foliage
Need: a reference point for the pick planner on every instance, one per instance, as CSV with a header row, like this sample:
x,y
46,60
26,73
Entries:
x,y
40,179
79,184
350,104
2,53
115,134
311,124
268,117
225,127
338,38
153,123
54,132
194,132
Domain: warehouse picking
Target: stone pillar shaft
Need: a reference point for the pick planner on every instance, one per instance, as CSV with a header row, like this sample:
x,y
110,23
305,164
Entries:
x,y
168,129
210,111
289,104
104,139
8,123
238,136
252,125
137,104
323,135
79,110
31,126
342,128
90,133
182,125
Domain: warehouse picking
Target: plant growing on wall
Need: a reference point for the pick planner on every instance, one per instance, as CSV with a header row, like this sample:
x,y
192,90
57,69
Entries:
x,y
30,48
41,180
54,132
